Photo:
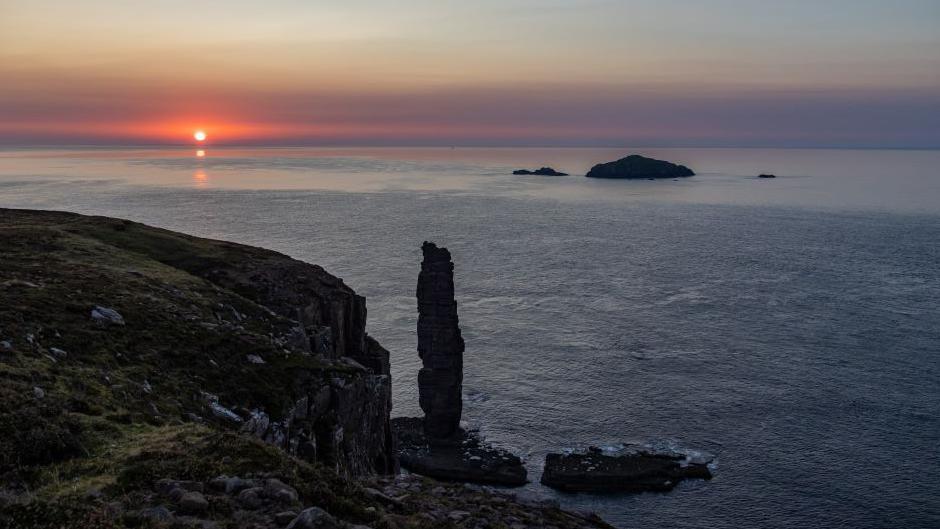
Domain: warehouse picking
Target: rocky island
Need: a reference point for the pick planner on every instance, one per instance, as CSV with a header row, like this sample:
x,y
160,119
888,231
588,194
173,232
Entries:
x,y
639,167
544,171
154,379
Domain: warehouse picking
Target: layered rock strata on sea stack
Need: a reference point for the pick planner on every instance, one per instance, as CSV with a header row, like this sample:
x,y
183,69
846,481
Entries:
x,y
440,346
639,167
636,470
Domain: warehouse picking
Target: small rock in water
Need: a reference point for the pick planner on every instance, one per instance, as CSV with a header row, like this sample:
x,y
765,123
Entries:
x,y
767,176
106,316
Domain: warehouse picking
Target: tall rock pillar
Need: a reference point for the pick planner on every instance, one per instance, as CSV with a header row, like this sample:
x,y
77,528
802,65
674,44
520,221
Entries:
x,y
440,346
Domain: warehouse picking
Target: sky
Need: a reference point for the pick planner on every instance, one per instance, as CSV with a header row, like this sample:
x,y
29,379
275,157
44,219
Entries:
x,y
796,73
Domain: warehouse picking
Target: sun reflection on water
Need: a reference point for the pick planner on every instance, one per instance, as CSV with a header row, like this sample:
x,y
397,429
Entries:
x,y
200,178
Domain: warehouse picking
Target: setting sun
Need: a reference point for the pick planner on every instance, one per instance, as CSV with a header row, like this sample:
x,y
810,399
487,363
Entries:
x,y
199,135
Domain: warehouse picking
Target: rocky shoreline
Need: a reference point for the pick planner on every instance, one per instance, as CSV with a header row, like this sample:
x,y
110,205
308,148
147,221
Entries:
x,y
154,379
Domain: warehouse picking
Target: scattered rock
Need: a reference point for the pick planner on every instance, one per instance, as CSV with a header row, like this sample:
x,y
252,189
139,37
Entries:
x,y
314,518
251,498
6,345
166,485
544,171
38,392
280,491
232,485
221,412
193,503
58,353
255,359
637,167
156,515
382,497
106,316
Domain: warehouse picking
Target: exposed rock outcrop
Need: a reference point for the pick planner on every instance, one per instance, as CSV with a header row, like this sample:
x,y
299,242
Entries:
x,y
637,469
440,345
639,167
183,328
544,171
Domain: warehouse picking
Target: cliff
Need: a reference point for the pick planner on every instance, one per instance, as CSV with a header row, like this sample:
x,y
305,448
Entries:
x,y
150,378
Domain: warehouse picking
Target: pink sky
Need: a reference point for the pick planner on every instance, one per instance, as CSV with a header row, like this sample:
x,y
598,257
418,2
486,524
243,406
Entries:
x,y
496,73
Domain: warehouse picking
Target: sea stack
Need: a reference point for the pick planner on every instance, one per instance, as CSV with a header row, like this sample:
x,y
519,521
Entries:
x,y
436,446
440,346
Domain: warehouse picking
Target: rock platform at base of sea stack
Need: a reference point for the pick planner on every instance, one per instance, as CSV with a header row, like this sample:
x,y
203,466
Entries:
x,y
630,470
464,457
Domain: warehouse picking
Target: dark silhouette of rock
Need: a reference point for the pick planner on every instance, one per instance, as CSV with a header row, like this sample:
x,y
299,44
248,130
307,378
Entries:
x,y
638,470
767,176
636,166
436,446
544,171
440,346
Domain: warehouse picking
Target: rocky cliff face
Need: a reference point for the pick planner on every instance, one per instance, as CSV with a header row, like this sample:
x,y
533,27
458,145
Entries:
x,y
115,323
152,379
440,345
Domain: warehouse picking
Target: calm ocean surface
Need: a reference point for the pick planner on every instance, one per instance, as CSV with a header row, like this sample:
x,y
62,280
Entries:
x,y
789,326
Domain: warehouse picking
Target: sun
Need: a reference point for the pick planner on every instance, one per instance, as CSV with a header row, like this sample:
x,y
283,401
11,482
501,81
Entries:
x,y
199,135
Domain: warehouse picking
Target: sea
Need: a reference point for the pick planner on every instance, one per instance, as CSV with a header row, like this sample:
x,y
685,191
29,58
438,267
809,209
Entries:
x,y
788,326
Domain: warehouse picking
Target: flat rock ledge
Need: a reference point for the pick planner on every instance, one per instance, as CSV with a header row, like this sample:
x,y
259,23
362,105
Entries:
x,y
462,458
630,469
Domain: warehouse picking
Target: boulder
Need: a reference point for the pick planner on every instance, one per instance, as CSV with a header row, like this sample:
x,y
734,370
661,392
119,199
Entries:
x,y
106,316
193,503
314,518
638,167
